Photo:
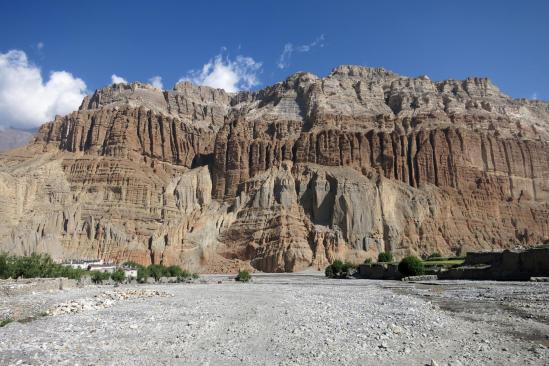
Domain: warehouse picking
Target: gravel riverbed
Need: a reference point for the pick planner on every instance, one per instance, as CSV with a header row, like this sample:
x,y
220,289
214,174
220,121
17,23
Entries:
x,y
301,319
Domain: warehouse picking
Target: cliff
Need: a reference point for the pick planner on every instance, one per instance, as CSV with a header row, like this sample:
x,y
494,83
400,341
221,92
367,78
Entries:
x,y
294,175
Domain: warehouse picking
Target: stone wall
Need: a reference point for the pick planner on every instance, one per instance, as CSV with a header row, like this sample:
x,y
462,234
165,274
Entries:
x,y
26,286
502,266
379,271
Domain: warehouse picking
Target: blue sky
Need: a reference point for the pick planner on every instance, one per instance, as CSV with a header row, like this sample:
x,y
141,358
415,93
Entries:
x,y
507,41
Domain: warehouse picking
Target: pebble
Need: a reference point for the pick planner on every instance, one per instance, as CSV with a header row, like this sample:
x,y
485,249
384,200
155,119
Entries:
x,y
231,324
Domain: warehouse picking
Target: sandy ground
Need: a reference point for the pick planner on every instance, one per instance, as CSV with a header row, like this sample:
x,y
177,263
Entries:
x,y
288,320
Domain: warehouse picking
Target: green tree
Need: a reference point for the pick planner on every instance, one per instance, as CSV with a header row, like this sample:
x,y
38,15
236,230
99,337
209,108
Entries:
x,y
156,271
142,274
411,266
36,265
118,276
386,257
98,277
339,269
174,271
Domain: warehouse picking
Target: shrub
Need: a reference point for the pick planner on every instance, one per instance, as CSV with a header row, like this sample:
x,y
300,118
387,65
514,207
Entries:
x,y
69,272
195,276
184,275
368,261
329,272
385,257
339,269
36,265
176,271
5,322
411,266
434,255
5,268
98,277
157,270
243,276
118,276
142,274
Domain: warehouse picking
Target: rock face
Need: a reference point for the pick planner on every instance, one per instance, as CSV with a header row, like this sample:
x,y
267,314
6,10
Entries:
x,y
295,175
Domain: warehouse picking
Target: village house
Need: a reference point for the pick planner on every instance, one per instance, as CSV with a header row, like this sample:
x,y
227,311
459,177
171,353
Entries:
x,y
130,272
105,267
82,263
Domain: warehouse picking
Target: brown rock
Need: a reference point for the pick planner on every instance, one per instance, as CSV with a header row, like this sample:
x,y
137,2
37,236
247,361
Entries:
x,y
295,175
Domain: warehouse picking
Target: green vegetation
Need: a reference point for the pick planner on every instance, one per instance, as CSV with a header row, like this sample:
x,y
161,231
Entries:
x,y
432,258
243,276
339,269
368,261
36,265
434,255
41,265
142,274
444,262
157,271
385,257
176,271
5,322
98,277
411,266
118,276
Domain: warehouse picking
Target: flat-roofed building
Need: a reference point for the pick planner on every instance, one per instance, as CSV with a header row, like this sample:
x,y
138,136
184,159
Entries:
x,y
82,263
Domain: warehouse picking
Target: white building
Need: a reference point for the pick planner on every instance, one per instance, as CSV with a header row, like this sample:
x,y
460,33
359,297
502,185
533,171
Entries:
x,y
100,265
82,263
105,267
130,272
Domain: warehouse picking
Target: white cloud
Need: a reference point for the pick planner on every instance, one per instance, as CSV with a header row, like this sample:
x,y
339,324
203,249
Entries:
x,y
115,79
156,81
284,60
224,73
26,100
534,96
40,45
290,48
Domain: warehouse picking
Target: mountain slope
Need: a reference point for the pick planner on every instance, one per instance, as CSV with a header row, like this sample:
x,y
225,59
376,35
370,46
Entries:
x,y
297,174
10,138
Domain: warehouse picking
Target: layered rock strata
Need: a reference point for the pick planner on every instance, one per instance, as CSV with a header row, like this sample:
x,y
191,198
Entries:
x,y
294,175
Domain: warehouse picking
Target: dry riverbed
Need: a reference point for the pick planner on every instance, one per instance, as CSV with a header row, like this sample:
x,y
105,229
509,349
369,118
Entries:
x,y
301,319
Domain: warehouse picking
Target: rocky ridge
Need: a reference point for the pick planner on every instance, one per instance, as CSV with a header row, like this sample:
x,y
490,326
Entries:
x,y
294,175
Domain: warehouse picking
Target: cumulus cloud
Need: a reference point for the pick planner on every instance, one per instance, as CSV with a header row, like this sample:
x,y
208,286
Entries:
x,y
156,81
27,100
290,49
224,73
40,45
115,79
